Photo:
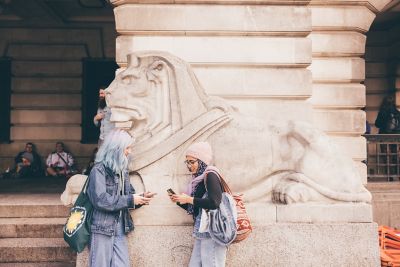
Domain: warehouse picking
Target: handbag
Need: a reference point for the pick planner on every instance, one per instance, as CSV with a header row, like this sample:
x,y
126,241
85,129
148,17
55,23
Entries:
x,y
243,224
77,228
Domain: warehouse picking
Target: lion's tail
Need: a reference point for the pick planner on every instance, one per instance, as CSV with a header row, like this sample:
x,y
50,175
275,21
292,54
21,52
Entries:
x,y
266,185
362,196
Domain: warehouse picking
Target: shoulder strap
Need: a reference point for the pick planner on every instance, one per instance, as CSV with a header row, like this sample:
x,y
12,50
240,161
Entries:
x,y
84,188
225,186
63,158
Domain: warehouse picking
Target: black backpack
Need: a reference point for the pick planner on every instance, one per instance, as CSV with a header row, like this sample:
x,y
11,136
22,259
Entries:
x,y
393,122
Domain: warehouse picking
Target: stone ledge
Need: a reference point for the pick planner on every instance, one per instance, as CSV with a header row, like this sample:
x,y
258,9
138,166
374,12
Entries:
x,y
217,18
341,17
222,50
263,214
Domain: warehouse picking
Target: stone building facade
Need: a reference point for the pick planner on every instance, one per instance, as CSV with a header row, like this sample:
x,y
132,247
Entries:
x,y
313,61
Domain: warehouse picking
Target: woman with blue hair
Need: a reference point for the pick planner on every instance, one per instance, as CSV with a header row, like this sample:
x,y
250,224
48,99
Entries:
x,y
112,194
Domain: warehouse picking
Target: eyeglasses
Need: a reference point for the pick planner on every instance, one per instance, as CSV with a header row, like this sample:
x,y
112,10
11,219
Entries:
x,y
190,162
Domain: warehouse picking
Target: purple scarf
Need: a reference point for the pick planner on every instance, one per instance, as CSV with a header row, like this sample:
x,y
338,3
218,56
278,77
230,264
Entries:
x,y
197,178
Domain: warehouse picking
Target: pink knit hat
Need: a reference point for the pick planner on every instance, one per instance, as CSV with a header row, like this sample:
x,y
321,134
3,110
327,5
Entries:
x,y
201,151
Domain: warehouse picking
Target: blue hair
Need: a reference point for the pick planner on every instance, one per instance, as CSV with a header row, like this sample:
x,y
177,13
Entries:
x,y
111,152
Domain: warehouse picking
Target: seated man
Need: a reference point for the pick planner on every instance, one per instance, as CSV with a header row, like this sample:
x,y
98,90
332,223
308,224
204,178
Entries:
x,y
28,163
60,162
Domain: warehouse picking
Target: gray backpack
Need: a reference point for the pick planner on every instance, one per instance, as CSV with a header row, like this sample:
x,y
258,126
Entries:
x,y
222,221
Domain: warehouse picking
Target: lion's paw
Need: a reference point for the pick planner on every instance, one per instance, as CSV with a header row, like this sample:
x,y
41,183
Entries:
x,y
289,192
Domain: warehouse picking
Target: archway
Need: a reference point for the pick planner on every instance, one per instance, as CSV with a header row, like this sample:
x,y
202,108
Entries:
x,y
382,79
382,60
382,68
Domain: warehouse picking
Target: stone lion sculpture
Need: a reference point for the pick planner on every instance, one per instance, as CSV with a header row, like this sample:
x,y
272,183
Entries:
x,y
160,101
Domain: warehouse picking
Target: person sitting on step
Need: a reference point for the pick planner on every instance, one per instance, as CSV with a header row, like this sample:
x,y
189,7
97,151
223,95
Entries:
x,y
60,162
28,163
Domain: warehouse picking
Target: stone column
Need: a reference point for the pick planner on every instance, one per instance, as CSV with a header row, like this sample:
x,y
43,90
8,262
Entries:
x,y
338,70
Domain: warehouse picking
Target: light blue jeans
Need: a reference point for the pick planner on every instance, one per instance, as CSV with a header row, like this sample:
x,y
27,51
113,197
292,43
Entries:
x,y
109,251
207,253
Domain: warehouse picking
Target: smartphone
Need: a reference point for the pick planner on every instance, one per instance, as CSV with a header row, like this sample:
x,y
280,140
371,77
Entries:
x,y
171,192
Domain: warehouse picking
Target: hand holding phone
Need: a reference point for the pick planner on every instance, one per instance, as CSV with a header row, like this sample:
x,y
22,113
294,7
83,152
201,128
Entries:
x,y
171,192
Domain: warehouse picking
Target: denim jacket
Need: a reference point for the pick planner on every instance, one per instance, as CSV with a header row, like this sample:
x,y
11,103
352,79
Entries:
x,y
108,204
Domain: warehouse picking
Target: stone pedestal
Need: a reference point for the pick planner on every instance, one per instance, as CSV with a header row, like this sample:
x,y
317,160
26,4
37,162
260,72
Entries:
x,y
283,235
279,244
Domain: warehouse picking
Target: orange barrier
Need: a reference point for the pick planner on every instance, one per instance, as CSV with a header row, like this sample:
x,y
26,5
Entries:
x,y
389,243
390,257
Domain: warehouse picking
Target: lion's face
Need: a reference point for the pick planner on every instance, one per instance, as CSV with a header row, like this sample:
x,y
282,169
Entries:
x,y
139,95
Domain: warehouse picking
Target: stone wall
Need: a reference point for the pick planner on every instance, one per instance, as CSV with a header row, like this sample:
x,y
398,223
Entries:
x,y
241,52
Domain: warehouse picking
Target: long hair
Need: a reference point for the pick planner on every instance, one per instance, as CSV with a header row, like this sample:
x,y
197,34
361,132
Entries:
x,y
111,152
388,103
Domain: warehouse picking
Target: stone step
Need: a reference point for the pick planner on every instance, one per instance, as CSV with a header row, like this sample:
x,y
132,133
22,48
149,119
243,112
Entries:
x,y
38,264
38,185
47,51
45,100
47,117
35,250
47,132
47,68
31,227
44,147
31,205
46,84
